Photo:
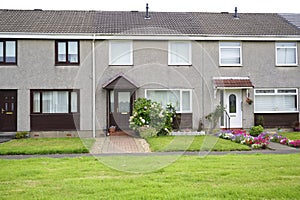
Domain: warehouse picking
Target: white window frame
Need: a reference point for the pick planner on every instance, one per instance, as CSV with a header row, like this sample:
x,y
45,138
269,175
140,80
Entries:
x,y
230,47
172,53
277,46
276,93
180,103
129,51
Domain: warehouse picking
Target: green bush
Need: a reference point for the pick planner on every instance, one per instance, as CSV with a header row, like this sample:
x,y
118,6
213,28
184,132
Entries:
x,y
256,130
146,132
20,135
151,114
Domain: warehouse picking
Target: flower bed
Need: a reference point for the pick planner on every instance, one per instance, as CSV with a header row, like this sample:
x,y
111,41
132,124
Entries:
x,y
285,141
240,136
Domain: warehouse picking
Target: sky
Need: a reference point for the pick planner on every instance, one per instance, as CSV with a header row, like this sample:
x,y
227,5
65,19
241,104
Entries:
x,y
244,6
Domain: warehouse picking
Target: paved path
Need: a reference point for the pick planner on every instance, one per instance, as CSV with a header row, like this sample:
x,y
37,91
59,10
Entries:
x,y
120,144
280,147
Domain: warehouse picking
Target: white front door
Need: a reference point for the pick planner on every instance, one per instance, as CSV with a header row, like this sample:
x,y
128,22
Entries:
x,y
233,106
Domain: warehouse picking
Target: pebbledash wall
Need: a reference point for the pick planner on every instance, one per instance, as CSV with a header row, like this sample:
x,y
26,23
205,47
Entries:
x,y
36,69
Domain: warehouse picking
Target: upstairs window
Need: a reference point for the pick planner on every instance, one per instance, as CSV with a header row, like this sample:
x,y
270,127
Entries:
x,y
120,52
286,53
179,53
8,52
230,54
67,52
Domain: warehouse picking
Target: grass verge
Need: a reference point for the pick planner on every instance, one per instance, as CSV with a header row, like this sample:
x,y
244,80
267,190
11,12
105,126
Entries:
x,y
46,146
291,135
190,177
190,143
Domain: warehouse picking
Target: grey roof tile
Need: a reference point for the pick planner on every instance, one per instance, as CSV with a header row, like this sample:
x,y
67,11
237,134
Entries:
x,y
133,23
293,18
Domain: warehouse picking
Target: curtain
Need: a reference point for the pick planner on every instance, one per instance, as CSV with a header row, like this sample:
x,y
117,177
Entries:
x,y
286,56
73,52
120,53
230,56
55,102
62,52
10,51
1,52
179,53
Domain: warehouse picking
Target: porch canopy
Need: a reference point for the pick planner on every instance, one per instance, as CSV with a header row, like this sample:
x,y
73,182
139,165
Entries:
x,y
120,82
232,82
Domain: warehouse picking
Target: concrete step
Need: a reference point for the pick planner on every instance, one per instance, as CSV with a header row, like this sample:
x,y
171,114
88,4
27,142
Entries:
x,y
7,134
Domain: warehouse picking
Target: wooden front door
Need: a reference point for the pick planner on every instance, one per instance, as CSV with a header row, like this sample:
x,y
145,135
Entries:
x,y
8,110
121,105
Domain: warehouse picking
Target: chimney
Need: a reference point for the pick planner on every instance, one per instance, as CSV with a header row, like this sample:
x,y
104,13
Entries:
x,y
147,16
236,13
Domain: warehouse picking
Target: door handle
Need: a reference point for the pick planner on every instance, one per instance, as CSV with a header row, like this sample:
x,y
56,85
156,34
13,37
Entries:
x,y
2,111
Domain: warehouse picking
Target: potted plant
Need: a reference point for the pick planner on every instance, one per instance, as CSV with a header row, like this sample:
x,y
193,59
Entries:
x,y
111,129
296,126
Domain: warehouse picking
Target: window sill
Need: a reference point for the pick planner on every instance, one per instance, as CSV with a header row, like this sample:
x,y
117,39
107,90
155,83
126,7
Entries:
x,y
171,65
67,65
274,112
286,66
8,65
112,65
230,65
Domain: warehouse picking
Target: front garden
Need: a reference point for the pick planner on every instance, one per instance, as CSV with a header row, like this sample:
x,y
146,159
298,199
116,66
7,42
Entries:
x,y
31,146
257,138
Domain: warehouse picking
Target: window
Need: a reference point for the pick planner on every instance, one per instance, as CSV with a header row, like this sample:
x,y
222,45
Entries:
x,y
67,52
120,52
286,53
179,53
276,100
61,101
180,99
232,103
230,54
8,52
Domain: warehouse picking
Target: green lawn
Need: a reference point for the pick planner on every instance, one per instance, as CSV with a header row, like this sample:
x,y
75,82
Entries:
x,y
46,146
291,135
189,177
190,143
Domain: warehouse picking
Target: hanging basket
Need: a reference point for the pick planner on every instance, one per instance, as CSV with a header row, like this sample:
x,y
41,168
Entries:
x,y
249,101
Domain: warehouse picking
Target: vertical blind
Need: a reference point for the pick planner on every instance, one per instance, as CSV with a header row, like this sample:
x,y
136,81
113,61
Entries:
x,y
120,53
179,53
286,53
276,101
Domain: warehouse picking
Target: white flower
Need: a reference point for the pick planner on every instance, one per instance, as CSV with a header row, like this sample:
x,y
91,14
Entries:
x,y
161,114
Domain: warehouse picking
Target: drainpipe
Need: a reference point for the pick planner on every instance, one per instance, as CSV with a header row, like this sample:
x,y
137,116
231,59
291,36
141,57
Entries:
x,y
94,86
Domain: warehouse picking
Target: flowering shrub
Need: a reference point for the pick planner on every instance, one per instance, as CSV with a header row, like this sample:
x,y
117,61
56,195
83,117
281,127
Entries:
x,y
261,141
276,138
151,114
285,141
294,143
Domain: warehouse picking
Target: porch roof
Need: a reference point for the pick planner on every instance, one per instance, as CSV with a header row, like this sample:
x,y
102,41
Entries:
x,y
232,82
120,81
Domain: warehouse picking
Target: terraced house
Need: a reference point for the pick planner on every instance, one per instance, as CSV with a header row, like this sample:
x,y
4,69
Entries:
x,y
64,71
